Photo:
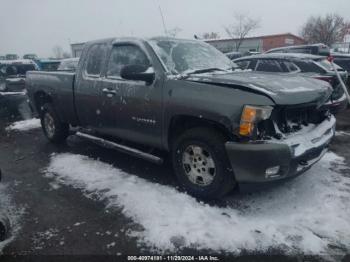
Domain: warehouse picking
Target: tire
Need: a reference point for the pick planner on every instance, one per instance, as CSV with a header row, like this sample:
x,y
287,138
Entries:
x,y
4,227
55,130
208,150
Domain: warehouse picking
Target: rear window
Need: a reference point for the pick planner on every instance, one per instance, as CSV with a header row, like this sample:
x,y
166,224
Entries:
x,y
328,66
268,65
309,66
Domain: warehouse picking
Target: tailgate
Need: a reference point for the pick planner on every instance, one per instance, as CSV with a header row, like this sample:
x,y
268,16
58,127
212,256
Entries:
x,y
59,86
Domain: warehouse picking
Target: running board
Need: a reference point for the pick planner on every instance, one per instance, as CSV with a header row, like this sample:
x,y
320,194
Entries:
x,y
122,148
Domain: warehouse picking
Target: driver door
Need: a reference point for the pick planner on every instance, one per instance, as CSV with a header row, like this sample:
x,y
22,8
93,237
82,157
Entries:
x,y
137,105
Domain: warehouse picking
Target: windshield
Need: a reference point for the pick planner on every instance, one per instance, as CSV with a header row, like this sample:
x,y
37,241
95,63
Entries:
x,y
185,56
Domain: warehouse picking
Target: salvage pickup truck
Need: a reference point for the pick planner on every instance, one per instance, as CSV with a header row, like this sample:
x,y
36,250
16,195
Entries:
x,y
223,127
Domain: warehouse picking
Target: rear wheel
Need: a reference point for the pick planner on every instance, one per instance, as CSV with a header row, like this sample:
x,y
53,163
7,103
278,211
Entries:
x,y
201,164
55,130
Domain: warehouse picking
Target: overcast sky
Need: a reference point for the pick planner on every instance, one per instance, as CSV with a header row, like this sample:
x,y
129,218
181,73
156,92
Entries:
x,y
36,26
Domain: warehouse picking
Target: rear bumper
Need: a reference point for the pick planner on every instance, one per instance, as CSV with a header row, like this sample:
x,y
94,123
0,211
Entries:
x,y
293,155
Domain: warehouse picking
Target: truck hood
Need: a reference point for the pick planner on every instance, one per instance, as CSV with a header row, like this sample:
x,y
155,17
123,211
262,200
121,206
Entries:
x,y
281,88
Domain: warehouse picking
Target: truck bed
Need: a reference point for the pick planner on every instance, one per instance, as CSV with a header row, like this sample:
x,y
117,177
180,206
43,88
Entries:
x,y
60,86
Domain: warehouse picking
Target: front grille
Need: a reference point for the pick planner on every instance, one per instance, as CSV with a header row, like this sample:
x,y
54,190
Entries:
x,y
287,120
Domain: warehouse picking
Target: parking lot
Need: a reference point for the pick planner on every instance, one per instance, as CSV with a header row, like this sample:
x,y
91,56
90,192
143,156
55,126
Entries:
x,y
80,199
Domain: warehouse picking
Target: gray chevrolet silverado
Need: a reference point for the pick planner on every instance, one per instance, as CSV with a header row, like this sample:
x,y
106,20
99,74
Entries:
x,y
222,127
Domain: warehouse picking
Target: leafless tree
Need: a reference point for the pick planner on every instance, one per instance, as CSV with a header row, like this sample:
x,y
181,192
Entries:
x,y
57,52
241,28
211,35
328,29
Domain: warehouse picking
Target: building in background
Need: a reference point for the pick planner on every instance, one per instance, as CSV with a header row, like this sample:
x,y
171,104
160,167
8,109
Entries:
x,y
257,44
77,49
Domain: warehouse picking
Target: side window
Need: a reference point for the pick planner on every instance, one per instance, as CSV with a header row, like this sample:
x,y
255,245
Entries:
x,y
96,57
309,66
244,64
268,65
291,67
125,55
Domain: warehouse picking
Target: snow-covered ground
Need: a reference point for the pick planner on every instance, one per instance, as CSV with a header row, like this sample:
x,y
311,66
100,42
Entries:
x,y
342,133
12,93
306,215
9,215
24,125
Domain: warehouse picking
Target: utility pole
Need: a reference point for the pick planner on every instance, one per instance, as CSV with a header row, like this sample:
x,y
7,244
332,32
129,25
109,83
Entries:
x,y
163,20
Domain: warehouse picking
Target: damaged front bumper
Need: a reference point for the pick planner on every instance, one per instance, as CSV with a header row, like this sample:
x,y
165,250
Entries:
x,y
260,162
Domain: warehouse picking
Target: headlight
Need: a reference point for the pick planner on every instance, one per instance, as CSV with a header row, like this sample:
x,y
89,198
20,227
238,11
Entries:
x,y
2,86
251,116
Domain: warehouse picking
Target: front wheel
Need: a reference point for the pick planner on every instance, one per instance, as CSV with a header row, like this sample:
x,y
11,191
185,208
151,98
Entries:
x,y
55,130
201,164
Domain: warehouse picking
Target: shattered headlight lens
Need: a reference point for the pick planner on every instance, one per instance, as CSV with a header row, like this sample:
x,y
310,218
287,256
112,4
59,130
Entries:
x,y
251,115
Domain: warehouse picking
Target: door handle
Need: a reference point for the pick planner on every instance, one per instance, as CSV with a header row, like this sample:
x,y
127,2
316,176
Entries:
x,y
109,91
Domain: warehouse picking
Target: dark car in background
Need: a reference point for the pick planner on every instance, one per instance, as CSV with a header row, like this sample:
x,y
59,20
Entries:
x,y
12,57
69,64
13,73
30,56
342,60
313,49
313,66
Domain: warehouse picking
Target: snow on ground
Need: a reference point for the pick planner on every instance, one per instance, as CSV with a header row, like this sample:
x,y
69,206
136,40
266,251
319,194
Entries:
x,y
12,93
305,215
9,215
342,133
24,125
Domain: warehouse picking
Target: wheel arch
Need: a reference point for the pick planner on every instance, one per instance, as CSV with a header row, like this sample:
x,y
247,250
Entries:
x,y
181,123
40,99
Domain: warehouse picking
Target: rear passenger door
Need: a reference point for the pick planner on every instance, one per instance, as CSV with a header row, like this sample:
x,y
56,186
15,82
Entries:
x,y
92,104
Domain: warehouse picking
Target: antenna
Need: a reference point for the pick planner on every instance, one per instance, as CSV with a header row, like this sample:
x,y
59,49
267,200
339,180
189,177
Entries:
x,y
164,26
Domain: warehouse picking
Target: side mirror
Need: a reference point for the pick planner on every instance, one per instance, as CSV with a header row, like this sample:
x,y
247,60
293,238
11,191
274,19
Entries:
x,y
138,73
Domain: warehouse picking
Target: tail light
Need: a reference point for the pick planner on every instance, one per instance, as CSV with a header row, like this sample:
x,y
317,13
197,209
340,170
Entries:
x,y
328,79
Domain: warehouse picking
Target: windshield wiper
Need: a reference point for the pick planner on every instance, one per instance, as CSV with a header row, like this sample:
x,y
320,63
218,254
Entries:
x,y
206,70
201,71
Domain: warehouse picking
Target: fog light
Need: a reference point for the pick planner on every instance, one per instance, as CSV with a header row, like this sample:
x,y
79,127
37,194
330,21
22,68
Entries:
x,y
272,172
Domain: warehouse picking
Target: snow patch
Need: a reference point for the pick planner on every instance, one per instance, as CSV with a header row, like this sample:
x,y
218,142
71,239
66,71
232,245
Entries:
x,y
13,93
24,125
342,133
304,215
